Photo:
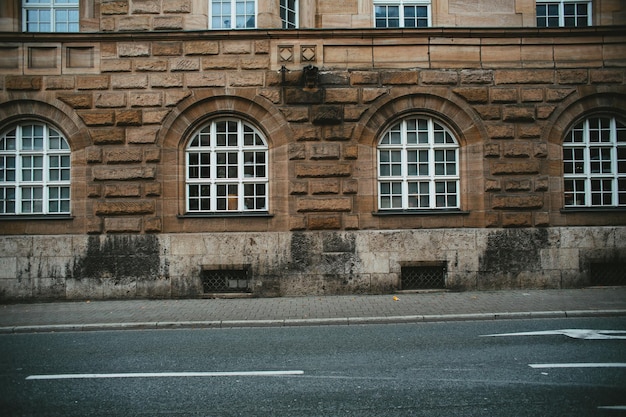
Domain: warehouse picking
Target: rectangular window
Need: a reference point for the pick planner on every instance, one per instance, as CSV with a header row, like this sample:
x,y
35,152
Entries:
x,y
289,13
232,14
563,13
50,16
402,13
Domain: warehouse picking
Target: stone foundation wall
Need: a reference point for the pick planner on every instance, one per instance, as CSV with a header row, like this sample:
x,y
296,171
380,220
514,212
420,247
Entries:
x,y
300,263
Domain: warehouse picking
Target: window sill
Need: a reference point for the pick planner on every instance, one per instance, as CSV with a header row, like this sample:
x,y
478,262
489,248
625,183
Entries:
x,y
419,212
236,214
566,210
36,217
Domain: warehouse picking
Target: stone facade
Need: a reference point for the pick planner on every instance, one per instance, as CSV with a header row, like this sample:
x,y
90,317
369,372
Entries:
x,y
128,95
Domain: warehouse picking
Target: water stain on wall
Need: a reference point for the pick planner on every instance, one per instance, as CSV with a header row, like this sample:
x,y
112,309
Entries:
x,y
119,258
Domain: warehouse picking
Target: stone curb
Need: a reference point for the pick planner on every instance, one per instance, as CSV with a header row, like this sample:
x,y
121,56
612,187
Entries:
x,y
225,324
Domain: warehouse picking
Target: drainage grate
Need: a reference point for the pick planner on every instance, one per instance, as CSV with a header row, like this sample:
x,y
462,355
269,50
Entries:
x,y
608,273
225,281
423,277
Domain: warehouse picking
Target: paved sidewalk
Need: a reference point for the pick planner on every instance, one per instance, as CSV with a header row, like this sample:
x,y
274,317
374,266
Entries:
x,y
300,311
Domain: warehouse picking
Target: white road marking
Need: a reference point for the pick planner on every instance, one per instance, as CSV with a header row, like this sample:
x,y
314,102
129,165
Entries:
x,y
613,407
164,375
573,333
577,365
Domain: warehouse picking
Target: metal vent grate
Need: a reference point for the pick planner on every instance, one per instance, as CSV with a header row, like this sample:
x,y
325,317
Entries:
x,y
425,277
608,273
225,281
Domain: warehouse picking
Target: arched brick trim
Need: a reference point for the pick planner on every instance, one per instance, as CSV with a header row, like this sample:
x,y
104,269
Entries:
x,y
607,102
62,118
200,107
466,126
178,128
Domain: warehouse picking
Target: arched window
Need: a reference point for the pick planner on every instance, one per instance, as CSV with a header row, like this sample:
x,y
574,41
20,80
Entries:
x,y
594,163
226,168
34,170
418,166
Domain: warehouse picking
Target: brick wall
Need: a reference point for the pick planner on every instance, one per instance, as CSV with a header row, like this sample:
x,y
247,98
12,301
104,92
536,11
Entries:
x,y
127,103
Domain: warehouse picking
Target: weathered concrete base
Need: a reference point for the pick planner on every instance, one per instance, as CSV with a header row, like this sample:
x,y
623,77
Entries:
x,y
300,263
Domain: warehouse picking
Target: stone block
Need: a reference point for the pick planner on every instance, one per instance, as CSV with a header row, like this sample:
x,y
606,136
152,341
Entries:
x,y
152,155
327,114
300,96
439,77
23,82
77,101
558,94
525,76
488,112
127,82
517,220
145,7
319,204
324,222
297,151
545,111
517,150
245,79
184,64
236,47
318,170
123,155
153,225
114,208
492,150
114,7
122,190
152,189
167,48
329,186
108,136
518,114
167,23
501,131
473,94
325,151
128,117
201,48
342,95
150,65
122,224
504,95
371,94
166,80
142,135
98,118
146,99
515,168
133,23
121,173
110,100
350,152
60,83
177,6
204,80
399,77
133,49
517,185
470,76
532,95
364,77
512,202
572,76
93,82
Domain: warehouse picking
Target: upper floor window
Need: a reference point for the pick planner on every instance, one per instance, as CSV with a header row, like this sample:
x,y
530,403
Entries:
x,y
402,13
50,15
233,14
418,166
34,171
594,163
289,13
563,13
226,168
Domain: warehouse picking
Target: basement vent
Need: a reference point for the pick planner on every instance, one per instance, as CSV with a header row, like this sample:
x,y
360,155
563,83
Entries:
x,y
608,273
225,281
426,276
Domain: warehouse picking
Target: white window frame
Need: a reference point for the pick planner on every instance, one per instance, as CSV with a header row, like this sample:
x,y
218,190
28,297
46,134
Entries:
x,y
400,4
233,14
206,173
52,7
561,10
51,177
594,163
284,8
396,184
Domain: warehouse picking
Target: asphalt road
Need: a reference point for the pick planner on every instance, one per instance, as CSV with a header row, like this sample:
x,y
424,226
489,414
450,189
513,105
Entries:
x,y
426,369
